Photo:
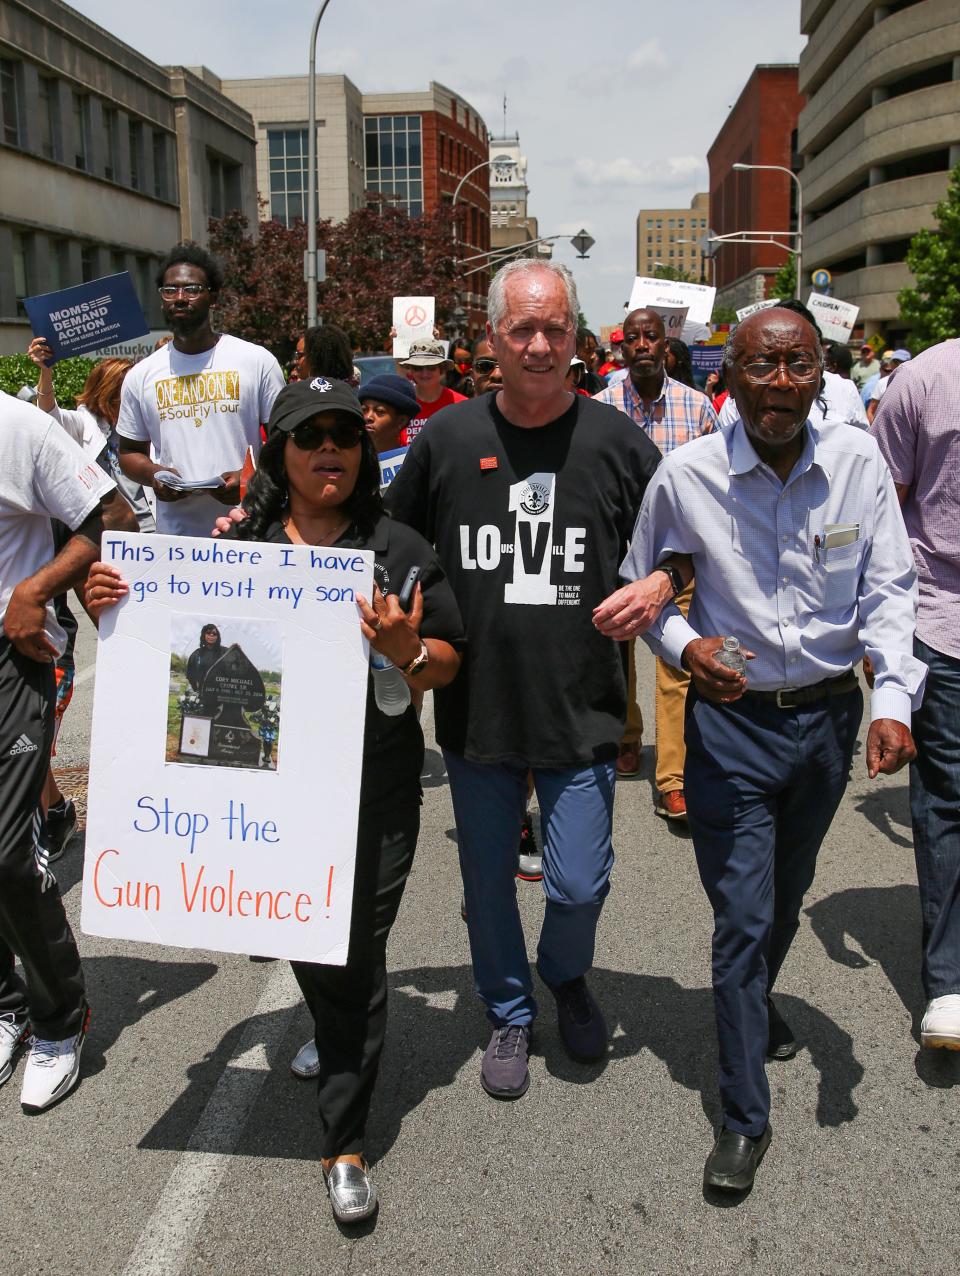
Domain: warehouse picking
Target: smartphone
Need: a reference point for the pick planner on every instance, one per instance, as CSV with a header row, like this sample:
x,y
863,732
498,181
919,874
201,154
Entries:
x,y
405,597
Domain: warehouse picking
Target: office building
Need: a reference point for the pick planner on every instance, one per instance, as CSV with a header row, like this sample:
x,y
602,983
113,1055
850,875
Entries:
x,y
108,159
760,129
879,135
670,237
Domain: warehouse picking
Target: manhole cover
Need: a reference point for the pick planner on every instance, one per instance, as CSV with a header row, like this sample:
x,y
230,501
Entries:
x,y
73,784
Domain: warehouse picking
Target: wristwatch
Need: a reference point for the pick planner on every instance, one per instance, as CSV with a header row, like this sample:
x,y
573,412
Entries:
x,y
673,575
418,663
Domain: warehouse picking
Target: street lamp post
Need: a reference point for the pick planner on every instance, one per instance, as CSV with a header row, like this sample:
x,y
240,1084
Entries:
x,y
311,261
503,165
780,168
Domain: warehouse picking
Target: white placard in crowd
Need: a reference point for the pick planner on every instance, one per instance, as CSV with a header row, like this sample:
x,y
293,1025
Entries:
x,y
674,318
744,311
698,298
834,317
226,747
413,320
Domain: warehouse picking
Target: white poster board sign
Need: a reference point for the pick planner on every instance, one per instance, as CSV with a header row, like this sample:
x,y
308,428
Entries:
x,y
744,311
835,318
226,747
698,299
674,318
413,320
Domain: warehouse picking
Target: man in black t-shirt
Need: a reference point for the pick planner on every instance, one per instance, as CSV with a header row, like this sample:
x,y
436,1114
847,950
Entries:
x,y
530,495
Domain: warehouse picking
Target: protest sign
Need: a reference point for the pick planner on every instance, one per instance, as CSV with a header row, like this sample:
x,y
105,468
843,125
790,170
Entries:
x,y
674,318
698,298
413,319
834,318
88,317
226,747
390,463
744,311
135,348
706,359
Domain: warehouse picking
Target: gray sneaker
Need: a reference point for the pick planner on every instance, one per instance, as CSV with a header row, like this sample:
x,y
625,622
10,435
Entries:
x,y
503,1072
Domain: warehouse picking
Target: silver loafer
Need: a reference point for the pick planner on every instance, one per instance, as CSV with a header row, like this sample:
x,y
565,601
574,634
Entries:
x,y
352,1196
306,1062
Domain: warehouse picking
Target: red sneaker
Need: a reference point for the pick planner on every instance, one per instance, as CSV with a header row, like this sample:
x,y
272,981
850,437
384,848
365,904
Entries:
x,y
672,805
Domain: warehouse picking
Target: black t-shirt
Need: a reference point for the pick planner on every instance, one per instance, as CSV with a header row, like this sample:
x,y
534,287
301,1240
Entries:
x,y
393,747
531,526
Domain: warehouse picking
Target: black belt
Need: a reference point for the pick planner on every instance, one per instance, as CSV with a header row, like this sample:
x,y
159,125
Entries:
x,y
793,697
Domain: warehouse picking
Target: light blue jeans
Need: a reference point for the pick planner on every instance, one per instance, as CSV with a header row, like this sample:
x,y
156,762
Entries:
x,y
576,812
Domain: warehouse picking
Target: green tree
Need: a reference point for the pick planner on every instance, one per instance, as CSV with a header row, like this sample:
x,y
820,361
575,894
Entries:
x,y
932,307
784,284
672,272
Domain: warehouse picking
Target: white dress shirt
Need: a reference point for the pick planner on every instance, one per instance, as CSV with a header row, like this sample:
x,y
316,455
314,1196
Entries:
x,y
809,574
840,395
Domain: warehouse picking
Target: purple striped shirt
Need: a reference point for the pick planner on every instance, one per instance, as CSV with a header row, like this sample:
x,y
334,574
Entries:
x,y
918,429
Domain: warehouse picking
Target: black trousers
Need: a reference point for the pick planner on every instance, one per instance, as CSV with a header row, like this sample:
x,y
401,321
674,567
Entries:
x,y
349,1003
33,923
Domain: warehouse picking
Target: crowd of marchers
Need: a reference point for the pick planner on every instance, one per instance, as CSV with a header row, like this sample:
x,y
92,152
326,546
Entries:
x,y
766,535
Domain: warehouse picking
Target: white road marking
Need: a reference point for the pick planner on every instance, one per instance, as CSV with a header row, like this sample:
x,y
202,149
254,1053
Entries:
x,y
164,1245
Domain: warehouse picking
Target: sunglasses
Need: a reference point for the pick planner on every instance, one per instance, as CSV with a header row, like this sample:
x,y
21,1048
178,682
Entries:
x,y
344,434
486,365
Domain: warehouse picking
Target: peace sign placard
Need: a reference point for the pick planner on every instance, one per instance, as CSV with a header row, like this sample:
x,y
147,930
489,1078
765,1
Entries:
x,y
413,319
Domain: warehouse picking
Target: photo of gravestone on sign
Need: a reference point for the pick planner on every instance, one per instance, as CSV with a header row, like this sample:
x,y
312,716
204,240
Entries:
x,y
224,694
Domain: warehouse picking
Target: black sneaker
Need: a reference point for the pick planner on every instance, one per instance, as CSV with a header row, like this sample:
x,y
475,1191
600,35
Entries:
x,y
529,856
58,828
580,1020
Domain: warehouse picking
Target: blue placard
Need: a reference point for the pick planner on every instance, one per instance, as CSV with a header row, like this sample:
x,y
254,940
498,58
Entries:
x,y
87,317
390,463
706,358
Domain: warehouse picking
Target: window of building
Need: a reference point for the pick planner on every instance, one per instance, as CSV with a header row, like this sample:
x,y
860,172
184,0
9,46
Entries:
x,y
10,99
60,265
649,223
118,263
160,165
670,223
135,139
649,239
287,149
22,273
671,252
681,222
111,138
394,151
81,130
48,101
88,263
223,178
659,223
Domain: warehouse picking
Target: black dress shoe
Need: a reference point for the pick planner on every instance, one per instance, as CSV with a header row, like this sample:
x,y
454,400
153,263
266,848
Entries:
x,y
732,1164
780,1040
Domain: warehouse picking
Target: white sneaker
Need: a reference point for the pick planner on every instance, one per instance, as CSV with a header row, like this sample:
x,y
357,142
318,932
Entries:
x,y
52,1069
941,1023
14,1035
306,1062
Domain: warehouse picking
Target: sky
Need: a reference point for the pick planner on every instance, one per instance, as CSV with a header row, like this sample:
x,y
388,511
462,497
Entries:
x,y
616,107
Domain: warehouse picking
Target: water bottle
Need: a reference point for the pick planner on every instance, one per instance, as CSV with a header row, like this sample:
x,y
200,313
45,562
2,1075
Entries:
x,y
731,656
390,688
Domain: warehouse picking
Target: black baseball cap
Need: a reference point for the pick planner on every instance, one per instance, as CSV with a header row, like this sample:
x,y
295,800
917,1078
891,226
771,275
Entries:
x,y
302,400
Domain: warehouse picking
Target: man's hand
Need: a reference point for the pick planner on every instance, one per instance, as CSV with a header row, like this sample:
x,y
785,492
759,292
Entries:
x,y
713,680
230,493
631,610
226,521
889,747
163,492
24,621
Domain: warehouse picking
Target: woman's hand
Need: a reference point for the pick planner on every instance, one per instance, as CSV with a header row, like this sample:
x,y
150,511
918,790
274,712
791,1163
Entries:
x,y
389,629
226,522
104,587
40,352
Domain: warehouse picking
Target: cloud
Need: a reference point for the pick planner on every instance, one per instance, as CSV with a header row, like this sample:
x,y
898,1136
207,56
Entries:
x,y
674,171
649,54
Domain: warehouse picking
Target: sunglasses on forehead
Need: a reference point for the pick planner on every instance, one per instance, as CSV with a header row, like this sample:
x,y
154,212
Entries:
x,y
342,434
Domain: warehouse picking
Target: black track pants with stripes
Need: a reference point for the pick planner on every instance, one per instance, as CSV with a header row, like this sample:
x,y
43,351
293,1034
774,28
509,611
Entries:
x,y
33,924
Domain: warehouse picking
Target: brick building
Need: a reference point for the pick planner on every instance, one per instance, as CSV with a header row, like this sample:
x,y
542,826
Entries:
x,y
760,129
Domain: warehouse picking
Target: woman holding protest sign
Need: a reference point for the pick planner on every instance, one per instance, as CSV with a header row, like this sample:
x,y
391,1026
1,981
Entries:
x,y
318,483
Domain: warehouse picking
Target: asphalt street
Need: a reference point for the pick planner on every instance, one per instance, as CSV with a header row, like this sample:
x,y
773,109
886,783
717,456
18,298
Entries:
x,y
190,1148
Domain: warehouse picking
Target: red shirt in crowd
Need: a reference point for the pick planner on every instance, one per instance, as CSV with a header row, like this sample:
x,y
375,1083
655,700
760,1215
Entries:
x,y
426,410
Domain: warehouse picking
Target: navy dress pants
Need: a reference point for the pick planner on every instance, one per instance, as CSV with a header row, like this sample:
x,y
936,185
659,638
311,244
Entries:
x,y
762,785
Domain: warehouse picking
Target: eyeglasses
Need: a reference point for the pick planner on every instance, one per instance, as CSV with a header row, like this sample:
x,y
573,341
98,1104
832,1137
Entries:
x,y
169,291
344,434
485,365
763,371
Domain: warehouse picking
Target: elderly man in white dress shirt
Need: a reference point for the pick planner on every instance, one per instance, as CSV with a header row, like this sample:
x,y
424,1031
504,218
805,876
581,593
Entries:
x,y
798,549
